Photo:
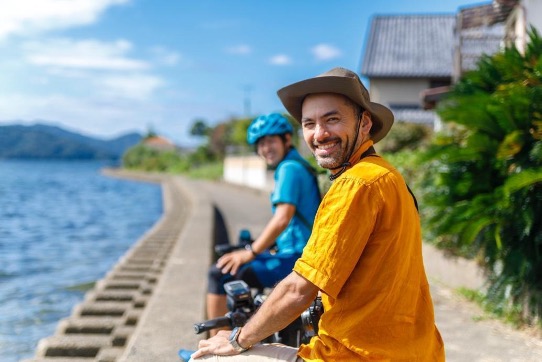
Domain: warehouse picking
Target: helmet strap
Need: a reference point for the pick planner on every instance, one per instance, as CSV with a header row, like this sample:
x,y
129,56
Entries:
x,y
335,175
346,162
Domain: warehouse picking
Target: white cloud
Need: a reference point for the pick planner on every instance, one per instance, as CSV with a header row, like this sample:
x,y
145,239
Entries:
x,y
31,16
241,49
280,59
100,69
135,86
82,54
325,52
165,56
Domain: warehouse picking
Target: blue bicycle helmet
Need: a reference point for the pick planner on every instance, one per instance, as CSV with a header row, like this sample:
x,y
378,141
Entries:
x,y
268,125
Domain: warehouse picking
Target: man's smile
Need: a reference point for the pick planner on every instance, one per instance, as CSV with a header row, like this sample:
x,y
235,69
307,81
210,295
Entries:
x,y
326,148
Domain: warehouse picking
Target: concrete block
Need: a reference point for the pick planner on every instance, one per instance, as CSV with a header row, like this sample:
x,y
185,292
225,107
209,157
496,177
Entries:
x,y
89,325
86,346
112,295
109,354
112,309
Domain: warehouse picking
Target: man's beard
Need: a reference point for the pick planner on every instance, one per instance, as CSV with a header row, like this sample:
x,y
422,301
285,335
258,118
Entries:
x,y
334,160
329,162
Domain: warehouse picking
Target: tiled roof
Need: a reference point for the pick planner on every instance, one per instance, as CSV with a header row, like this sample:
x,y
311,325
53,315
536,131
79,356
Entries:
x,y
413,115
157,141
478,41
481,31
486,14
410,46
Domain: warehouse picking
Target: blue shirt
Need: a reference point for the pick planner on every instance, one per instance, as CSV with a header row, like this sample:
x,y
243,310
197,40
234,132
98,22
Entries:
x,y
295,185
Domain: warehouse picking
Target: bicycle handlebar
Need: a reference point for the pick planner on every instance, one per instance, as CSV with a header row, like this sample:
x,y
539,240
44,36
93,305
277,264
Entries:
x,y
212,324
231,319
222,249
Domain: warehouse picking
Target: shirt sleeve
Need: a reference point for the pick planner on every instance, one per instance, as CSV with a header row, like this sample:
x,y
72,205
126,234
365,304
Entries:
x,y
343,225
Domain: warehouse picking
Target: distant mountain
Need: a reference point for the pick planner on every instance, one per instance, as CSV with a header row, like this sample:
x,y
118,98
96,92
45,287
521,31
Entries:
x,y
52,142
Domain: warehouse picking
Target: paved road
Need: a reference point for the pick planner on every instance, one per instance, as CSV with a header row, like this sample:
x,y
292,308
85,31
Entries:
x,y
470,335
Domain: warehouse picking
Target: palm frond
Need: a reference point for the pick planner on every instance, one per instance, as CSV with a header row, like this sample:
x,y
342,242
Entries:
x,y
525,178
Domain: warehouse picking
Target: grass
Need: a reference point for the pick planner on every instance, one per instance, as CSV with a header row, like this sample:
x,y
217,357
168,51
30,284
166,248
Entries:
x,y
210,171
506,312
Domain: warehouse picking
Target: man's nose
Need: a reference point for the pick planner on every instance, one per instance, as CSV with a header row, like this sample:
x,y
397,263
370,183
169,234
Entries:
x,y
320,131
263,146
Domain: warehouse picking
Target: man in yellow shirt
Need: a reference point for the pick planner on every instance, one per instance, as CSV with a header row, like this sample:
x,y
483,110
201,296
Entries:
x,y
364,253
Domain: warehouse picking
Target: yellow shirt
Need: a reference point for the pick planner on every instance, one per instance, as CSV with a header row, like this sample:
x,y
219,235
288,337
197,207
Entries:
x,y
365,255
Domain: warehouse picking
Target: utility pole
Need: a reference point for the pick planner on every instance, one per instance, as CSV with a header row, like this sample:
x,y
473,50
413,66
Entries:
x,y
247,89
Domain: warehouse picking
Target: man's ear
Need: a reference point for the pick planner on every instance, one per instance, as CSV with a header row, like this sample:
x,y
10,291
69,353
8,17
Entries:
x,y
366,122
288,139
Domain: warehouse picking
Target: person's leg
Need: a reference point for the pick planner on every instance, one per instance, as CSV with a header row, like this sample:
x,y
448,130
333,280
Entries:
x,y
216,301
271,269
259,353
216,305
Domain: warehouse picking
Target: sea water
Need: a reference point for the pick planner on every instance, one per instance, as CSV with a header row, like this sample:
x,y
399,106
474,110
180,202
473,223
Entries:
x,y
63,225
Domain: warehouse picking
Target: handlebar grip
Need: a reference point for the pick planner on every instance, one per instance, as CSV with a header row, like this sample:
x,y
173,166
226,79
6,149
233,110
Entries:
x,y
212,324
222,249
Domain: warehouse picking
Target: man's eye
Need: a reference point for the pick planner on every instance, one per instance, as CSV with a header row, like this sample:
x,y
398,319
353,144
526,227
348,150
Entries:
x,y
332,120
308,124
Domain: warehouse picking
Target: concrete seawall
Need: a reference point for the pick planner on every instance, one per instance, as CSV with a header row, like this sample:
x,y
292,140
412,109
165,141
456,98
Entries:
x,y
130,298
145,307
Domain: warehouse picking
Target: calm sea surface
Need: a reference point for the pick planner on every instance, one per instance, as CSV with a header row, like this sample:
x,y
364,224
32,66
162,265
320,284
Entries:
x,y
62,226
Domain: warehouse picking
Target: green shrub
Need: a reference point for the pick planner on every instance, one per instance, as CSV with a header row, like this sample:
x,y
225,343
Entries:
x,y
405,135
484,191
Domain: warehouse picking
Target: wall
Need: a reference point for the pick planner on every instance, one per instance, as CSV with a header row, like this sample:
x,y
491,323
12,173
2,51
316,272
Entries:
x,y
528,13
534,13
248,171
397,91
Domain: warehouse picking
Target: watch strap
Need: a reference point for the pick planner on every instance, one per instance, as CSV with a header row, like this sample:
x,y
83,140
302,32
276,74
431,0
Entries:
x,y
234,336
249,247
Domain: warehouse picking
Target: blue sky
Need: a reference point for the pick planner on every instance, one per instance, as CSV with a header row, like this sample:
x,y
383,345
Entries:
x,y
108,67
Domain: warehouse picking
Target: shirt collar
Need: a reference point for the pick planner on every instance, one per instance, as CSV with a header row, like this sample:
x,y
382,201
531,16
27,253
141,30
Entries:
x,y
364,147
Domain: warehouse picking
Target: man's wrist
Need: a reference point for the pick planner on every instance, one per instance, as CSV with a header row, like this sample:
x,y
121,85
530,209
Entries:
x,y
234,340
249,248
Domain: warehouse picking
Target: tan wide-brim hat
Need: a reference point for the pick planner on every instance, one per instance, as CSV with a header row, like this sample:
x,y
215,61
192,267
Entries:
x,y
341,81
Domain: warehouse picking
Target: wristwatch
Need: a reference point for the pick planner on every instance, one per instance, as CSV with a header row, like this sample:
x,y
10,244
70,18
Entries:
x,y
249,247
233,340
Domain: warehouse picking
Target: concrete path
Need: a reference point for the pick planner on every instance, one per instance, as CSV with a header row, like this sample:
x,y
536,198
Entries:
x,y
467,333
213,210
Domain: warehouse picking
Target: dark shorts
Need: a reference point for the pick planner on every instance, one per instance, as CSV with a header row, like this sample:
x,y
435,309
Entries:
x,y
263,272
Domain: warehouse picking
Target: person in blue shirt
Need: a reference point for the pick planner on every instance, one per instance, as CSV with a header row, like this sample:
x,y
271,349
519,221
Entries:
x,y
294,200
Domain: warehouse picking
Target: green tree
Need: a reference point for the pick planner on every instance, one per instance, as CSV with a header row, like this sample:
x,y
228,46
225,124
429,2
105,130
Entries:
x,y
199,128
238,131
150,133
141,157
405,136
484,194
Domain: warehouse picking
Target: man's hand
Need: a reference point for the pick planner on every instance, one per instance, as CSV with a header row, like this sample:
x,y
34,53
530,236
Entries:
x,y
219,344
231,262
